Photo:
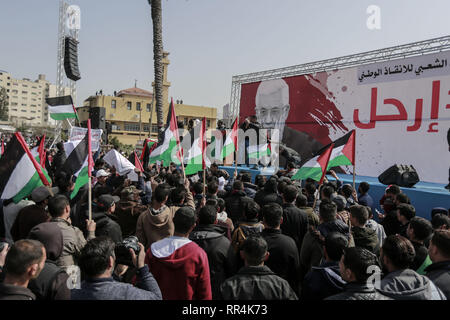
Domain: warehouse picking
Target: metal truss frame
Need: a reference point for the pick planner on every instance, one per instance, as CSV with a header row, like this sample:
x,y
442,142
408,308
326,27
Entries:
x,y
396,52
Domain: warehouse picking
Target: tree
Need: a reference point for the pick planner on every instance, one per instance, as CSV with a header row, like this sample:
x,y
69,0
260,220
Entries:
x,y
158,57
3,104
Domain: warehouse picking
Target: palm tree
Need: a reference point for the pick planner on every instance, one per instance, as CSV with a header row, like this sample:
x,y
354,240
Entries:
x,y
158,57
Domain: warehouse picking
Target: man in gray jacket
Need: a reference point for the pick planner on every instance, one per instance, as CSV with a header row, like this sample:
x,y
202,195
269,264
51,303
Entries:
x,y
97,263
402,283
439,270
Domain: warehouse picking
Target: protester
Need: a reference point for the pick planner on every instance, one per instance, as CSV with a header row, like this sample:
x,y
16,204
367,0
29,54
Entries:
x,y
405,212
24,262
106,221
234,201
97,264
212,239
73,238
269,193
439,270
440,222
10,212
325,280
255,281
179,265
363,236
364,197
420,230
378,228
353,268
128,210
248,226
52,282
32,215
401,282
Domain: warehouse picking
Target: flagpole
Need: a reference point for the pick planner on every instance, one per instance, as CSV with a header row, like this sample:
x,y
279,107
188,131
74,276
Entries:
x,y
89,171
354,177
204,183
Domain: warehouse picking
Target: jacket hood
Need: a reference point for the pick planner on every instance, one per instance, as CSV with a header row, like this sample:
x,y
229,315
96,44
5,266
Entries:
x,y
207,232
168,252
365,238
409,285
50,235
157,220
333,226
128,207
331,272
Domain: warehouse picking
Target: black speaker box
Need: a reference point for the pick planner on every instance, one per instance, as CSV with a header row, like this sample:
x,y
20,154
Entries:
x,y
71,59
401,175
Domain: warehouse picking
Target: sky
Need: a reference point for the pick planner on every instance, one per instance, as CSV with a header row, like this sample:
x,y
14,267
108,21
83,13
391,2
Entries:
x,y
209,41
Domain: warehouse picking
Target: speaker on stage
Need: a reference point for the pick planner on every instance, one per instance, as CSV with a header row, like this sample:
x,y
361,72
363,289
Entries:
x,y
401,175
71,59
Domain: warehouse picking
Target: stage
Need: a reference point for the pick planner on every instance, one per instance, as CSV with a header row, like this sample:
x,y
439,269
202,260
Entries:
x,y
424,195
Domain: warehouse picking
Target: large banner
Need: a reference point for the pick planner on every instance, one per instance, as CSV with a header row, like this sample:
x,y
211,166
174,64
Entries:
x,y
400,110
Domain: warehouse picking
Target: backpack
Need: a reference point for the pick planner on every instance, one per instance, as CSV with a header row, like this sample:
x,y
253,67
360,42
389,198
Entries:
x,y
241,233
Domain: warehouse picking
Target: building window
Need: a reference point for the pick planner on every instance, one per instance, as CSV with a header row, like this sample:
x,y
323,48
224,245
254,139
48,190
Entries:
x,y
132,127
208,123
154,128
146,127
25,92
128,105
115,127
138,106
148,107
113,104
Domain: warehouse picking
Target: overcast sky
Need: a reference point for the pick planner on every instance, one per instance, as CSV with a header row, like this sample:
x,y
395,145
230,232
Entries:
x,y
209,40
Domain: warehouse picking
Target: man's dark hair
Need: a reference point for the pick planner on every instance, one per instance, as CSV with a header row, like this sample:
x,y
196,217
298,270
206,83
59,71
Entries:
x,y
393,189
403,198
22,255
358,260
177,195
364,187
281,186
327,192
213,187
335,243
57,204
440,220
251,209
238,185
221,204
94,257
184,219
406,210
260,180
272,214
207,215
360,213
161,193
271,185
214,165
310,188
101,190
327,210
99,163
301,201
255,249
198,187
347,190
399,250
441,239
246,177
422,228
60,146
290,193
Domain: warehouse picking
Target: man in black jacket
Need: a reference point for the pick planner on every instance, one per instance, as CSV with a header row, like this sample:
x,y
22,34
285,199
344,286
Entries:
x,y
354,266
419,230
439,271
283,259
295,220
269,193
212,238
105,220
256,281
325,280
24,261
59,158
363,236
233,202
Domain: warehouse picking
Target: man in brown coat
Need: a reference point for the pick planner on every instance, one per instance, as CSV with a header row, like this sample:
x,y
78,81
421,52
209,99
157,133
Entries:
x,y
156,223
128,210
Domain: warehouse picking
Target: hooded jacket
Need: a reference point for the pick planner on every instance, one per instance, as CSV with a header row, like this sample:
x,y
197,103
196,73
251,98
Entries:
x,y
366,238
233,204
51,284
256,283
107,226
181,269
323,281
213,240
152,226
27,218
359,291
127,213
409,285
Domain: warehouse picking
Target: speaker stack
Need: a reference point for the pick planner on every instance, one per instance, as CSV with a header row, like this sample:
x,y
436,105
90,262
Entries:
x,y
401,175
71,59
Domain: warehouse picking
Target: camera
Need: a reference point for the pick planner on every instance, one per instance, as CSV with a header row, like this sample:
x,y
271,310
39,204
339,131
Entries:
x,y
122,250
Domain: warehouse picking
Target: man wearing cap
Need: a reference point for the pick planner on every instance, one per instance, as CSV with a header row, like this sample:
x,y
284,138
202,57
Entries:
x,y
101,176
128,210
103,216
32,215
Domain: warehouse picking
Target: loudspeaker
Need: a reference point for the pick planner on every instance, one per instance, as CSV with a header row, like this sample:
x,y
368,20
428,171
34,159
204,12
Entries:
x,y
97,116
71,59
401,175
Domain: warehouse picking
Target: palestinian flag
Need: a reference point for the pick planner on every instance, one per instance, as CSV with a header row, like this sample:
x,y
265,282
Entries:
x,y
195,160
61,108
20,173
41,151
149,145
134,159
315,168
259,151
170,142
231,143
343,153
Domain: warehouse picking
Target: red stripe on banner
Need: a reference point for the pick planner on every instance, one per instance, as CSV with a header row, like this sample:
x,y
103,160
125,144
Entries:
x,y
323,161
41,151
33,160
137,162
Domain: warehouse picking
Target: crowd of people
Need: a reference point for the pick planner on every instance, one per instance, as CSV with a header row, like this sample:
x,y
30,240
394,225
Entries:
x,y
171,237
